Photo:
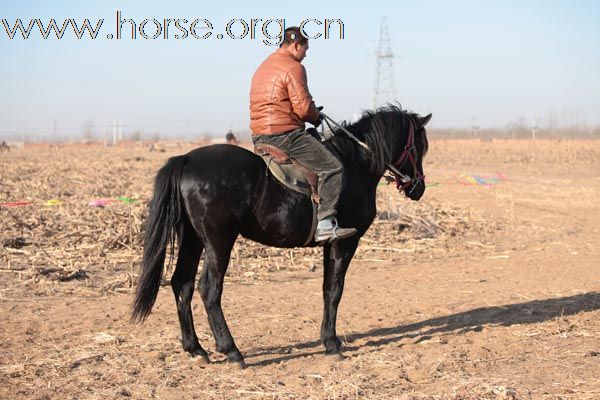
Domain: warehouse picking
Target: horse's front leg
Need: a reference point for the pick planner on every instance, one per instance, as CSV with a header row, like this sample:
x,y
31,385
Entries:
x,y
336,258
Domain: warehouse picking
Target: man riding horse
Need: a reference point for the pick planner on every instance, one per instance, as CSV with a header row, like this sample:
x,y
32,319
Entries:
x,y
280,104
205,199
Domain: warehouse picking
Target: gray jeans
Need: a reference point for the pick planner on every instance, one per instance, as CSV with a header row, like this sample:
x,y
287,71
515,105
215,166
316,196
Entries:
x,y
305,148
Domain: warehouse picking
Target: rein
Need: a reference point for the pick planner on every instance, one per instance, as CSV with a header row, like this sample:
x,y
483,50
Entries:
x,y
403,181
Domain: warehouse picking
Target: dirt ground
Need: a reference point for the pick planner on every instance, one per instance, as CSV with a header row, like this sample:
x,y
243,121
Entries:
x,y
474,292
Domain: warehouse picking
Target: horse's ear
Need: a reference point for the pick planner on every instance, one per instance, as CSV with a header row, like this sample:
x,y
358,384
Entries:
x,y
425,120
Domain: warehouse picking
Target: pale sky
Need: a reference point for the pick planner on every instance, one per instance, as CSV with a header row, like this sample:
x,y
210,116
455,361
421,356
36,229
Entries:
x,y
482,62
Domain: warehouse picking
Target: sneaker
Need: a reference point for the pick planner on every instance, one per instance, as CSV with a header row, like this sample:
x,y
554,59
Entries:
x,y
333,233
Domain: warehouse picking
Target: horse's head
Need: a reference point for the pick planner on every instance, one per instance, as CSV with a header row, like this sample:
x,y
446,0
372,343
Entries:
x,y
396,140
409,161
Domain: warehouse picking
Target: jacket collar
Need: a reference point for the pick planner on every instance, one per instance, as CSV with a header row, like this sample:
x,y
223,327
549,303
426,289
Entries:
x,y
285,52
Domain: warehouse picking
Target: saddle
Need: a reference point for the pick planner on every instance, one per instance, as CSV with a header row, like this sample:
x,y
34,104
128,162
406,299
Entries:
x,y
290,172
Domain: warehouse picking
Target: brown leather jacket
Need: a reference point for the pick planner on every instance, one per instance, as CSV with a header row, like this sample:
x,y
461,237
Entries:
x,y
279,96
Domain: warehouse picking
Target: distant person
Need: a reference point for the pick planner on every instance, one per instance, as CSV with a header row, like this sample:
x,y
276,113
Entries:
x,y
231,139
280,104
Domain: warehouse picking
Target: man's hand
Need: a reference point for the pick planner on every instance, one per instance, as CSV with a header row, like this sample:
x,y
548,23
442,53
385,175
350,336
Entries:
x,y
317,122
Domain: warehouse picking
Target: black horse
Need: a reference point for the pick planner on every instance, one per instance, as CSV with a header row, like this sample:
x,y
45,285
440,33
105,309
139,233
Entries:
x,y
206,198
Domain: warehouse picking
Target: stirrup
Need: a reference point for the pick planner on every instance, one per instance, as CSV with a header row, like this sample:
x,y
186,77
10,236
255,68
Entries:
x,y
334,233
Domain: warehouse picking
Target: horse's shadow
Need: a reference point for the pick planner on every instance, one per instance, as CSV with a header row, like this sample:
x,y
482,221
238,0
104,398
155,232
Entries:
x,y
473,320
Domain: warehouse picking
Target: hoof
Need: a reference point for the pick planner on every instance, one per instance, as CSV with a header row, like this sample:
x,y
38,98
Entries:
x,y
203,360
336,357
238,365
200,355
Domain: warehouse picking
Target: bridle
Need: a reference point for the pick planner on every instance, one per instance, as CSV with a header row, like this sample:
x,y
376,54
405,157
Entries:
x,y
403,181
409,153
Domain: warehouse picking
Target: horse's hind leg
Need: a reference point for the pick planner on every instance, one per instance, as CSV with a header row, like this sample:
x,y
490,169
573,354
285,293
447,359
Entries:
x,y
182,283
218,250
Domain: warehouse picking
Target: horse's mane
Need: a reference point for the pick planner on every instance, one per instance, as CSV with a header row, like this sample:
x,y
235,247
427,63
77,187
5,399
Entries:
x,y
380,130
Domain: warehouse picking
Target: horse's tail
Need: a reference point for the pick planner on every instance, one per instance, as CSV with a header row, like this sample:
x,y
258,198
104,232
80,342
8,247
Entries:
x,y
164,224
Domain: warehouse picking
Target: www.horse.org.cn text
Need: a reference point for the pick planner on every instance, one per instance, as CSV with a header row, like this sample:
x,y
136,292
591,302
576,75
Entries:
x,y
269,31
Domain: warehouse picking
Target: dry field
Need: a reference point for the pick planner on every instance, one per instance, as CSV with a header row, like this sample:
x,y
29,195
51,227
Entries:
x,y
474,292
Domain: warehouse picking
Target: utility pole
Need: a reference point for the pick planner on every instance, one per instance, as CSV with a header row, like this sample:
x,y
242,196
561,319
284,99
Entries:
x,y
117,130
474,127
140,129
120,130
384,90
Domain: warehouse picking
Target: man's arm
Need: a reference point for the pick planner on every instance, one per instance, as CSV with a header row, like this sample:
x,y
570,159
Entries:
x,y
302,102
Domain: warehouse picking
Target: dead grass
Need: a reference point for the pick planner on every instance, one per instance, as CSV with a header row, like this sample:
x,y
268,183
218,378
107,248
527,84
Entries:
x,y
99,248
61,262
